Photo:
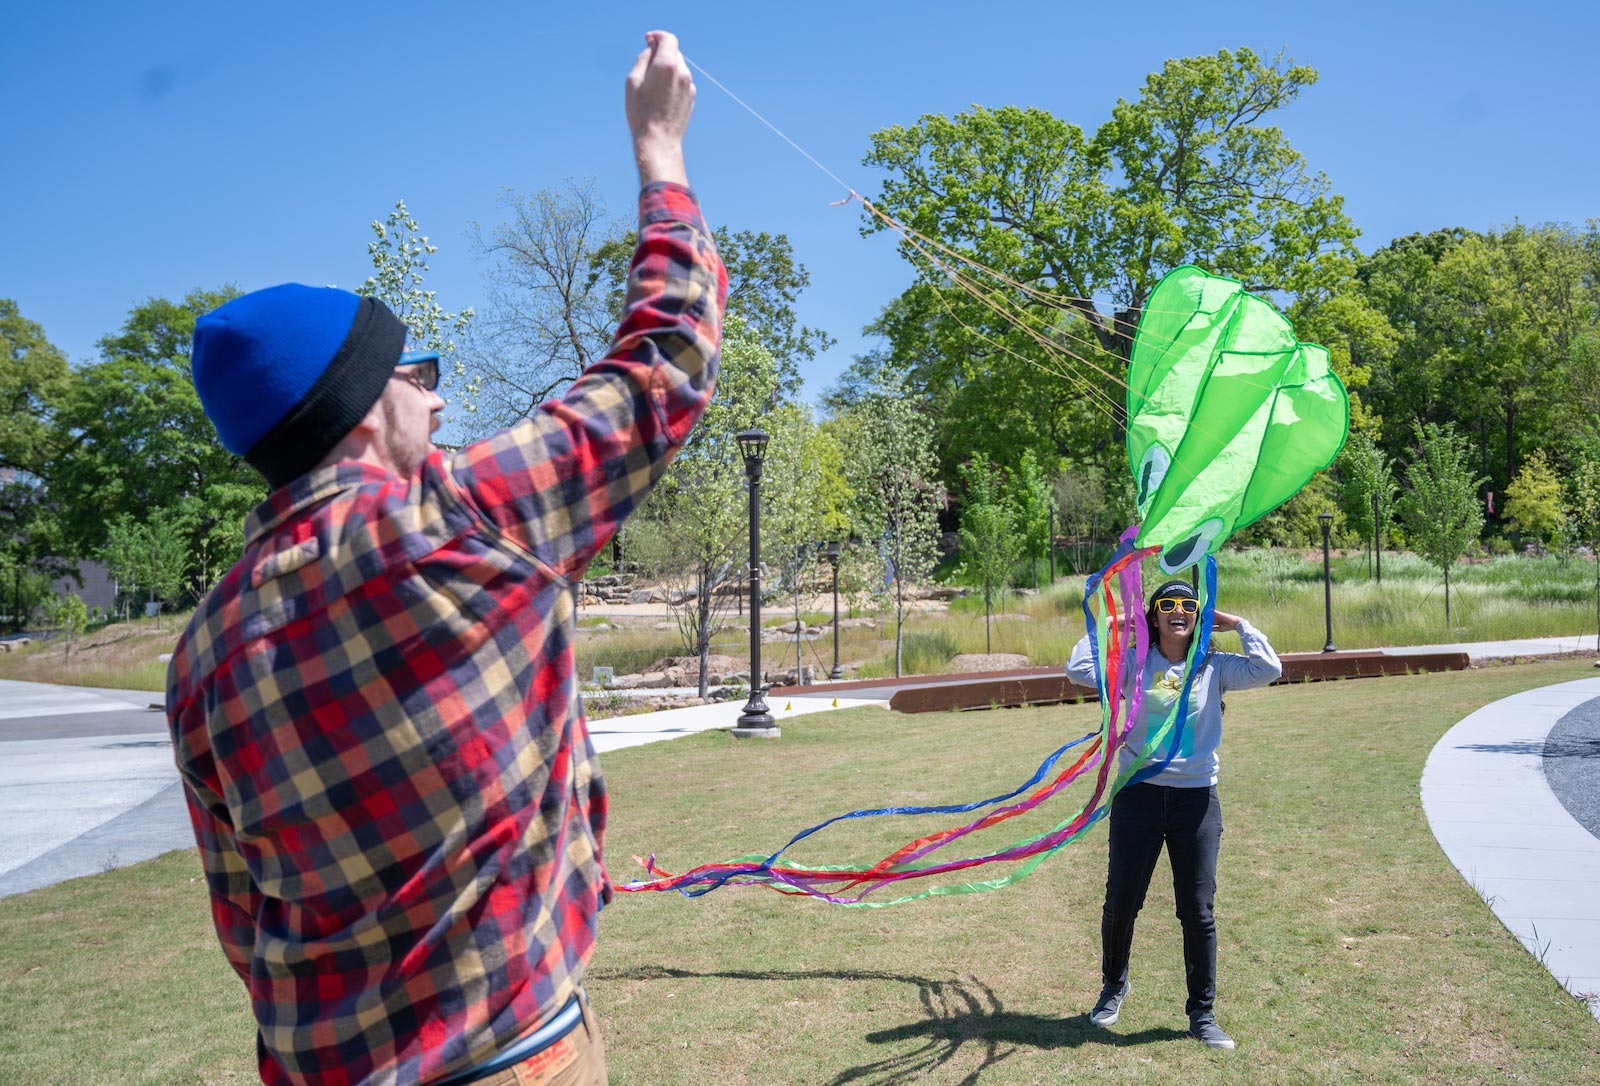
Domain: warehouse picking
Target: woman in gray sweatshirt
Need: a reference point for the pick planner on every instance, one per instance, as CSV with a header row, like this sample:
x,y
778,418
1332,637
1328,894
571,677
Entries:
x,y
1176,807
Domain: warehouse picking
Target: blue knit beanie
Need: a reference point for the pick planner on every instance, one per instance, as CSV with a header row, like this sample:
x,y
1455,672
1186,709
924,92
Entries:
x,y
286,372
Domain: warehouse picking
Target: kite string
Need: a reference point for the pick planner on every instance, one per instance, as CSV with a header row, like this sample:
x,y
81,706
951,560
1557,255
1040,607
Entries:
x,y
1046,298
851,189
776,130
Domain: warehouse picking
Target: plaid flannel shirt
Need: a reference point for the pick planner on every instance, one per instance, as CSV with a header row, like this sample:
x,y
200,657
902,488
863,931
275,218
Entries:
x,y
377,721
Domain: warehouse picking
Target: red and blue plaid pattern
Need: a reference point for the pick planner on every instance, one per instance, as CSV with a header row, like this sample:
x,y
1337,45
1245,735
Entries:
x,y
377,720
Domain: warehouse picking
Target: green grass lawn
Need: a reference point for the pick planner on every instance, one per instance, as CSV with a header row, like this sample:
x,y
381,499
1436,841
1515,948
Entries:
x,y
1351,951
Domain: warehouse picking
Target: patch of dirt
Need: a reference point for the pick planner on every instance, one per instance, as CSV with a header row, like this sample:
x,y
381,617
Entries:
x,y
1509,661
988,661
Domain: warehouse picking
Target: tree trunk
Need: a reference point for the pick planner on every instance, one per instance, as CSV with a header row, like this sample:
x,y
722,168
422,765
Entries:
x,y
1447,596
988,642
702,637
899,622
799,657
1511,448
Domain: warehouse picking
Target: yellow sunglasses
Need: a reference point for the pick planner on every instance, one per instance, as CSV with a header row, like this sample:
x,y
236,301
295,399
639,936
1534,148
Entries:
x,y
1174,603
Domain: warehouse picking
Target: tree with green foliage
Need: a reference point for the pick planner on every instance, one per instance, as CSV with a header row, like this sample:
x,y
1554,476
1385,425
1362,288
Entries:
x,y
1032,503
149,557
34,376
125,557
764,283
1583,510
691,528
991,539
793,521
399,253
34,379
1441,509
69,616
167,535
1491,333
1533,500
1367,493
1092,503
891,469
134,439
1503,295
23,588
1191,171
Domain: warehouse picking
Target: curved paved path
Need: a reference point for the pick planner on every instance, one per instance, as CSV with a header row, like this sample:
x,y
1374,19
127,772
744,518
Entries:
x,y
1494,812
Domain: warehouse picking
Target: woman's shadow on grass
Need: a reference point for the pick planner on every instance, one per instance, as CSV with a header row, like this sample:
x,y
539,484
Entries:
x,y
957,1013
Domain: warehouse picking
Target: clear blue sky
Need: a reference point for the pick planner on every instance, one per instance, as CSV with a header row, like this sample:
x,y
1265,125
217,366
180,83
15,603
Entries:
x,y
150,149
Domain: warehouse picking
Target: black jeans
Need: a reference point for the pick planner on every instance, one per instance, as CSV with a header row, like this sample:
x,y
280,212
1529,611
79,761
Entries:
x,y
1189,822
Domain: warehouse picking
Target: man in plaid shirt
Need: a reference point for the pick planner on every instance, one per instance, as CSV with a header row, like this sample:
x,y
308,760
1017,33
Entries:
x,y
375,712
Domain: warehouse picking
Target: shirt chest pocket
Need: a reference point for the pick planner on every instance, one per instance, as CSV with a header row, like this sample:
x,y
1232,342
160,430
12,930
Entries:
x,y
365,607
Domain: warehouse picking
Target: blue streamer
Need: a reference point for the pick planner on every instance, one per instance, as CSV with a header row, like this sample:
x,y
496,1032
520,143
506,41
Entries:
x,y
714,881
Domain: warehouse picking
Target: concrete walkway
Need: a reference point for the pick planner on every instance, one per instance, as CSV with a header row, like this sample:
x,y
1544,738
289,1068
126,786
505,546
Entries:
x,y
1492,810
87,783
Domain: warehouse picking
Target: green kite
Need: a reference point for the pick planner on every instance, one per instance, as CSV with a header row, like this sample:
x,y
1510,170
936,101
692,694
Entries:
x,y
1228,413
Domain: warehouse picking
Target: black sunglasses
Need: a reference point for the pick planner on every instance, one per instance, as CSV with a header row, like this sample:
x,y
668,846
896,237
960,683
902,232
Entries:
x,y
425,374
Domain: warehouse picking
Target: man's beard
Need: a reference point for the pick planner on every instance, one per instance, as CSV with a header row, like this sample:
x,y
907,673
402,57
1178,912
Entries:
x,y
403,451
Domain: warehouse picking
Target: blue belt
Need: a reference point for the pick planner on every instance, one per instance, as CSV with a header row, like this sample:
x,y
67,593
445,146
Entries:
x,y
561,1023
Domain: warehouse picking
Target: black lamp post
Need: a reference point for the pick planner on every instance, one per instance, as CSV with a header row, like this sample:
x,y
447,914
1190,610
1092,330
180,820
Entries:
x,y
755,722
1377,537
831,553
1326,519
1052,545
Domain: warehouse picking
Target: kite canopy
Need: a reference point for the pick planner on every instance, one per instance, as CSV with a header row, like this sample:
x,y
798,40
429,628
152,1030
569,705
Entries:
x,y
1228,413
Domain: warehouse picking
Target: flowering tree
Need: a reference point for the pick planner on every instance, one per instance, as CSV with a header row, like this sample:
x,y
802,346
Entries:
x,y
399,255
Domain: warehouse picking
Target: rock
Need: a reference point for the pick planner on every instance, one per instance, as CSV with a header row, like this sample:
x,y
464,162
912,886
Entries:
x,y
624,682
944,593
690,665
652,680
639,595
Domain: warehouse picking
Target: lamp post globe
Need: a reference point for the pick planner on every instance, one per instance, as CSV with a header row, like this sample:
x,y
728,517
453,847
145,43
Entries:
x,y
755,721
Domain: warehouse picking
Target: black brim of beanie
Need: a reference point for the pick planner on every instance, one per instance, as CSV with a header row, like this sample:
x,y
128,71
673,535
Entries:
x,y
337,400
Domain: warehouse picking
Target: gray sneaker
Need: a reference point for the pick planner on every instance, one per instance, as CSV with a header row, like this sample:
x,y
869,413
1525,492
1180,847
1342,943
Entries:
x,y
1108,1008
1205,1030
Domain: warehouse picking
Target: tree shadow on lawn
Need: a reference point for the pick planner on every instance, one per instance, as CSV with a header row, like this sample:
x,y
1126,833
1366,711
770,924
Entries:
x,y
956,1012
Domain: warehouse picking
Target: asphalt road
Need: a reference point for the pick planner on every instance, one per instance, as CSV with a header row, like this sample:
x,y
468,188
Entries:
x,y
1572,764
